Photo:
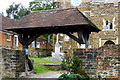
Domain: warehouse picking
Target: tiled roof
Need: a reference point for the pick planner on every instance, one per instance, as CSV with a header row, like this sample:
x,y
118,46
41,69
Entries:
x,y
5,22
54,18
41,38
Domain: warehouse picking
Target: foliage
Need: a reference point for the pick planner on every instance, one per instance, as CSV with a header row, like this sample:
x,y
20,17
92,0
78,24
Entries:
x,y
72,64
51,36
71,77
77,64
42,5
17,11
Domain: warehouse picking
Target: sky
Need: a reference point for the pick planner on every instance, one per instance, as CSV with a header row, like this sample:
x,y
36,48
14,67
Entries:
x,y
4,4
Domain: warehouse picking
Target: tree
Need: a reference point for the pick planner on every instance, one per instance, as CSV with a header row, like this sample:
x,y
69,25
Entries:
x,y
17,11
42,5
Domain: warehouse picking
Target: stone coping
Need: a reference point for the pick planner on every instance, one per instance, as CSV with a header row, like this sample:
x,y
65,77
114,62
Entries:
x,y
50,64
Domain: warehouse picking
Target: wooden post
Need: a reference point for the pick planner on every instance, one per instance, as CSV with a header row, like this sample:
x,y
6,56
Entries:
x,y
53,33
53,42
25,40
26,59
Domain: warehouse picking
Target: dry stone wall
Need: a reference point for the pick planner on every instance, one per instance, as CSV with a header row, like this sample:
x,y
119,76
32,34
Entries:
x,y
12,62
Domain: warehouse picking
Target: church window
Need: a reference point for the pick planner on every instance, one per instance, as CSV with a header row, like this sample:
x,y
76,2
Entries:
x,y
111,25
107,26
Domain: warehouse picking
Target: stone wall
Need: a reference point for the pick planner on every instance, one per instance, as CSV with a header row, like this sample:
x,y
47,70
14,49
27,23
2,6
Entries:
x,y
39,52
103,61
108,61
1,63
12,62
89,57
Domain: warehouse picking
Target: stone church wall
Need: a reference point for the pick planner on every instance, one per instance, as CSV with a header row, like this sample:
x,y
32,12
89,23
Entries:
x,y
119,21
99,11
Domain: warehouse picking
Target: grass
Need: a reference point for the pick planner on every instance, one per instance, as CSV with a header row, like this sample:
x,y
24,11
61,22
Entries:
x,y
40,68
42,60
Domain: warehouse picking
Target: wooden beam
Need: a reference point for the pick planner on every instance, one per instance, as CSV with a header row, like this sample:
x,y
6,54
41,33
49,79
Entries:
x,y
82,37
74,38
26,39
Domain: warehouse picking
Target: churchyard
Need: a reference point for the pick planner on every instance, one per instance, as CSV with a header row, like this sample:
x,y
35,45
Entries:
x,y
37,57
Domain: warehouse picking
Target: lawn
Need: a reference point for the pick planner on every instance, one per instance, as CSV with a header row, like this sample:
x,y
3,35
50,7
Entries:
x,y
40,68
42,60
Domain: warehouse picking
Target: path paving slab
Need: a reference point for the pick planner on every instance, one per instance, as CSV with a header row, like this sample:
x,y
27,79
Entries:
x,y
45,75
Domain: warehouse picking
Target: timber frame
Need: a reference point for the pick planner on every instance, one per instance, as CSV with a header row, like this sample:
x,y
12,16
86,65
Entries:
x,y
66,21
26,36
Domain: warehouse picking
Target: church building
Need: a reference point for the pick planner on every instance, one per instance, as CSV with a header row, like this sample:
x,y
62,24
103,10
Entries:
x,y
104,14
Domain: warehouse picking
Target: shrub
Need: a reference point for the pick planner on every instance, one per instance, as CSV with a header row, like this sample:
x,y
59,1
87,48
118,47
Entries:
x,y
71,77
72,64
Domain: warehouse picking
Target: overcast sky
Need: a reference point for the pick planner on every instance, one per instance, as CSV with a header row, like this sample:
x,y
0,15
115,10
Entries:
x,y
4,4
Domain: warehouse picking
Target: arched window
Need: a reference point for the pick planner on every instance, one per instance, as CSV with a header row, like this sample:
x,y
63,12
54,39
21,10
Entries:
x,y
107,26
111,25
109,42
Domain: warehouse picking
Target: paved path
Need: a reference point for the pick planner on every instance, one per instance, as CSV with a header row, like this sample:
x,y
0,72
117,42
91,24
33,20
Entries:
x,y
45,75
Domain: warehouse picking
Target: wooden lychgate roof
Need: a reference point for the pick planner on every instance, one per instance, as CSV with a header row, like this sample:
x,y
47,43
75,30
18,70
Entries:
x,y
56,20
